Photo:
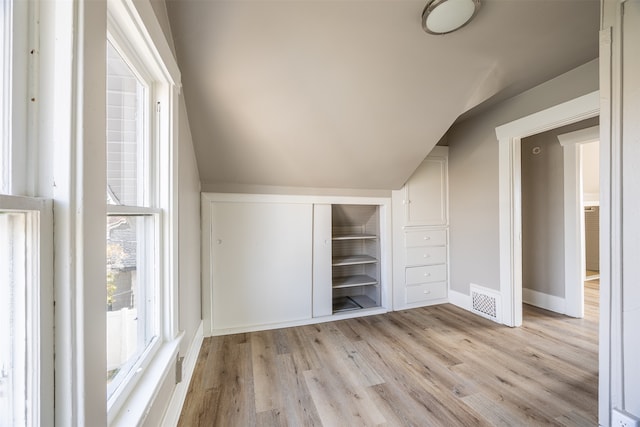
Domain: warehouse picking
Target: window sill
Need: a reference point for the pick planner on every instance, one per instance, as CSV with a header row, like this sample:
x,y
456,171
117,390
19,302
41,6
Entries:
x,y
137,406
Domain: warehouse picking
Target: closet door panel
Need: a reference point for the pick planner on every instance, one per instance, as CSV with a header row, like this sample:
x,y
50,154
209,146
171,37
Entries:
x,y
261,263
322,291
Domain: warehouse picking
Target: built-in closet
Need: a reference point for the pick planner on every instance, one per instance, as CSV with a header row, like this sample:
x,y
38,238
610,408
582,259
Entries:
x,y
272,261
421,235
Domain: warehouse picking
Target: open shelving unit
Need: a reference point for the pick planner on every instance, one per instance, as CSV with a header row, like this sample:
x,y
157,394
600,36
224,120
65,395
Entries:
x,y
355,257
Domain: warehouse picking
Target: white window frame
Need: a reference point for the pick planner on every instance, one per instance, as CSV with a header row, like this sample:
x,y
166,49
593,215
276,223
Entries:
x,y
146,207
38,309
134,28
19,151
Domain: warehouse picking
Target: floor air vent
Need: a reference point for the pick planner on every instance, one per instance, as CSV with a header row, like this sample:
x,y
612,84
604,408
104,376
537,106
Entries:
x,y
486,303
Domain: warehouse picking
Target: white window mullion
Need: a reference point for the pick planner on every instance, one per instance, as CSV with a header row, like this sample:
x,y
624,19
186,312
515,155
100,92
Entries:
x,y
124,210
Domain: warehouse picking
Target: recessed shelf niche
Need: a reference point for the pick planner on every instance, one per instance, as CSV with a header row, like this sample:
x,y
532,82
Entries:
x,y
355,234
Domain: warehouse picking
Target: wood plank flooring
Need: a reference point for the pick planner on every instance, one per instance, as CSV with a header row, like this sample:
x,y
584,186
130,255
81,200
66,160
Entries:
x,y
432,366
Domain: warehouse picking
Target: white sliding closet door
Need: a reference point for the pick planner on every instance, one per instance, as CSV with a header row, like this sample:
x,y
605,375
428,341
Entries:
x,y
261,263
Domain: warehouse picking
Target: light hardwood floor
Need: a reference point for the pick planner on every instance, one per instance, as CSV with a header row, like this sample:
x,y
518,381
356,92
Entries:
x,y
433,366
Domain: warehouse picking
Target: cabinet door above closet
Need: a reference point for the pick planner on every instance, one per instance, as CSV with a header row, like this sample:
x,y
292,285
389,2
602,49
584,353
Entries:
x,y
425,195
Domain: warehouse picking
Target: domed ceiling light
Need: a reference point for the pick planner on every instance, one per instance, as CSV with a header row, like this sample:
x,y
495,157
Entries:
x,y
446,16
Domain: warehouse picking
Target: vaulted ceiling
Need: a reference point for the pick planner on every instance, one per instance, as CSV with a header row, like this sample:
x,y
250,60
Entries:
x,y
353,93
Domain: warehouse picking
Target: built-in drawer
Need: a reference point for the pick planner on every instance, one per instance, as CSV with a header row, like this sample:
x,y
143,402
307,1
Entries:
x,y
426,292
426,255
426,274
425,238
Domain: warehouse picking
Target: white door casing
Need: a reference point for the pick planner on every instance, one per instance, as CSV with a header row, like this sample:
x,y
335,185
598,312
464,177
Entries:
x,y
574,242
510,207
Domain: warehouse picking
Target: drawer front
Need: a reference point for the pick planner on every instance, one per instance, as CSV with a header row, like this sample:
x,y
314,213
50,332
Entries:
x,y
425,238
427,255
426,274
426,292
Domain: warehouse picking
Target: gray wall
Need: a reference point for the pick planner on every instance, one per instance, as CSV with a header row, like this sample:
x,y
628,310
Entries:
x,y
188,237
189,232
543,210
189,211
473,176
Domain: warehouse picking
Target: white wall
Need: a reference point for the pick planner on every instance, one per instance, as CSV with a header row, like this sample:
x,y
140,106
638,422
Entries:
x,y
473,176
619,207
591,172
631,209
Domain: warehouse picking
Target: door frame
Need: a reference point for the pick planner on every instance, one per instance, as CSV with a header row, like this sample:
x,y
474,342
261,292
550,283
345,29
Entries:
x,y
574,237
510,196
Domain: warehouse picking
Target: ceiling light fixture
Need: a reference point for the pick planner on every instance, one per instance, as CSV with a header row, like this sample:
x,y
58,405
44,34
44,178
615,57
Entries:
x,y
445,16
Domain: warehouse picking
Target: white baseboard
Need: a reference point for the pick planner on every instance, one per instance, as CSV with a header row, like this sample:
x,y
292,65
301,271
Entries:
x,y
174,409
310,321
544,301
460,300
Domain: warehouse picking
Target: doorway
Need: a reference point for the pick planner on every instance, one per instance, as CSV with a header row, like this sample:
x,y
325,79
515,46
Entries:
x,y
559,204
510,209
581,184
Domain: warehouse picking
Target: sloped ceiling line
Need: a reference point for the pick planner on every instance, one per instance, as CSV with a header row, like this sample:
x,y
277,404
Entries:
x,y
354,94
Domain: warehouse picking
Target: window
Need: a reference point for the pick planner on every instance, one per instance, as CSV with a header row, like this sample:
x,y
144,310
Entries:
x,y
15,18
6,80
142,81
13,251
132,226
26,330
26,300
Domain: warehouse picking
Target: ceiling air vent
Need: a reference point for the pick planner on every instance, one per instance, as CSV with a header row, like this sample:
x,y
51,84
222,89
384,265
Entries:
x,y
486,303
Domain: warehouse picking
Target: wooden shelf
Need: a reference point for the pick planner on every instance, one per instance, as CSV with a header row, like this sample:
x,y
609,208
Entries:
x,y
351,281
353,260
354,237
